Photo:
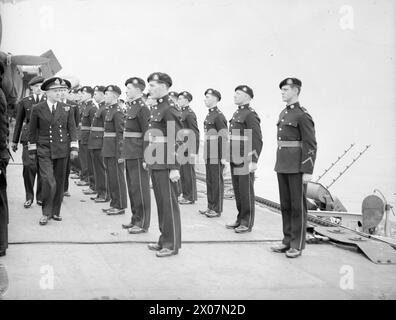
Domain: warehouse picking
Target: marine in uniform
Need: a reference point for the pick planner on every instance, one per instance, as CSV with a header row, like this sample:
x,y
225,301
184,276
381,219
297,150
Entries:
x,y
87,113
95,144
137,176
190,132
295,159
4,158
65,98
245,148
21,134
160,155
112,151
51,123
215,142
75,165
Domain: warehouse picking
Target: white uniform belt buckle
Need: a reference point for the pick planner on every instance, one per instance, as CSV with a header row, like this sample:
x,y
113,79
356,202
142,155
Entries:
x,y
238,138
97,129
85,128
289,144
211,137
109,135
157,139
129,134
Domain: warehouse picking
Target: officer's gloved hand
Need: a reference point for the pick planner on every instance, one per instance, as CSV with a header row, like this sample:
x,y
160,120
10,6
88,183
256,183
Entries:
x,y
252,167
120,160
223,162
14,146
144,165
174,175
33,157
73,155
306,178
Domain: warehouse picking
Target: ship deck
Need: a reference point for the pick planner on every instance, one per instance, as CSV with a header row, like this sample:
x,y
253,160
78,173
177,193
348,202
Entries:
x,y
92,257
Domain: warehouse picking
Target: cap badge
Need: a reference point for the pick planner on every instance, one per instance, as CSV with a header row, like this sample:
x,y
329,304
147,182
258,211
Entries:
x,y
289,81
156,77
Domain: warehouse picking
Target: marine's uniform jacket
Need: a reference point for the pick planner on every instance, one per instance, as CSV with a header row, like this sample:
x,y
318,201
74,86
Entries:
x,y
113,134
296,141
48,134
137,116
189,124
245,118
215,125
163,114
87,116
95,140
24,109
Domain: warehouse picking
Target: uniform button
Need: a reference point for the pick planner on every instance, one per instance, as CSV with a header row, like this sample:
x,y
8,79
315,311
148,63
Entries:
x,y
279,138
280,148
280,129
289,124
50,136
283,120
61,140
50,141
292,106
286,112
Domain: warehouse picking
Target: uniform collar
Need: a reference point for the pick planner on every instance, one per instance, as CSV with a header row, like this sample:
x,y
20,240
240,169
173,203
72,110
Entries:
x,y
185,108
213,109
165,98
112,105
293,105
244,106
133,102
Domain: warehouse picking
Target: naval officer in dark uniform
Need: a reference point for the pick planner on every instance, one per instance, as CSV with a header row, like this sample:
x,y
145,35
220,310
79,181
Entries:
x,y
112,151
21,134
245,147
51,123
160,155
215,147
295,159
190,131
95,144
137,176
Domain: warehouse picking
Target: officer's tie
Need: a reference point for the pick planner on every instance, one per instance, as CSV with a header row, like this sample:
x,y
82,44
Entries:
x,y
53,109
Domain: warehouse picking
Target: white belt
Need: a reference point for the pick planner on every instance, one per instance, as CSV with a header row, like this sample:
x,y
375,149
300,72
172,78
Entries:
x,y
85,128
289,144
157,139
109,135
211,137
129,134
238,138
97,129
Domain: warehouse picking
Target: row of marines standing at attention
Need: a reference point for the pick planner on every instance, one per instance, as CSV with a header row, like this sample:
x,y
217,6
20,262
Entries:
x,y
114,151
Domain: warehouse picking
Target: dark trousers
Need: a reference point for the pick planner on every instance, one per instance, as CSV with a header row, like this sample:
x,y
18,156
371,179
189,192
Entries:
x,y
243,185
138,182
30,170
99,172
188,182
168,210
178,188
4,217
117,185
83,156
75,165
53,172
215,186
68,165
294,209
91,170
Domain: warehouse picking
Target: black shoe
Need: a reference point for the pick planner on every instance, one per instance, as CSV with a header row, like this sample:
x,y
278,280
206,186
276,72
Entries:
x,y
136,230
115,211
99,200
66,194
2,253
154,246
280,248
43,220
39,202
203,211
28,203
185,201
293,253
212,214
232,225
242,229
165,252
127,226
57,218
